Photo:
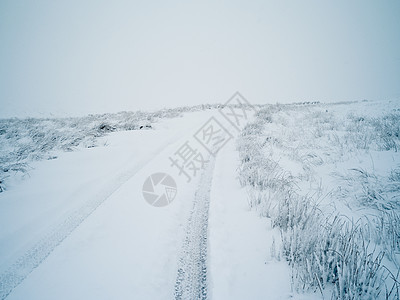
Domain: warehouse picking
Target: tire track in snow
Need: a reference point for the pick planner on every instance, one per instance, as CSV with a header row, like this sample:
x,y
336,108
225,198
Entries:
x,y
42,248
191,281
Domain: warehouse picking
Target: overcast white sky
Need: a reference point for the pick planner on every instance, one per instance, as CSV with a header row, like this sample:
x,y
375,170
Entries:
x,y
75,57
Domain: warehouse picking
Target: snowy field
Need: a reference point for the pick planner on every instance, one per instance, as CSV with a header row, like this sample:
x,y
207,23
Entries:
x,y
301,202
327,176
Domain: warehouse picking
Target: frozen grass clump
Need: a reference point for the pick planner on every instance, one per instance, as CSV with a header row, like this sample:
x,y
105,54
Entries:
x,y
388,234
332,253
388,128
327,251
377,133
369,190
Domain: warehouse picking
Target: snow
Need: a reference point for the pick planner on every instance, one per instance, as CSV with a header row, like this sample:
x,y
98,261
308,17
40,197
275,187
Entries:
x,y
242,259
78,227
343,158
125,246
240,241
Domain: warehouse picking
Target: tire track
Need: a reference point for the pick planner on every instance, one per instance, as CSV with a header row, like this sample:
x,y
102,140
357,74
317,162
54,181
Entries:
x,y
191,280
41,249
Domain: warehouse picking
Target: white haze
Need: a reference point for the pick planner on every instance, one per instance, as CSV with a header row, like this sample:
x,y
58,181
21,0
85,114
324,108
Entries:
x,y
77,57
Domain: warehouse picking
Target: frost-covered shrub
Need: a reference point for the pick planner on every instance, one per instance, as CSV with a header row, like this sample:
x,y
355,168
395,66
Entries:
x,y
256,170
388,129
334,252
326,252
371,190
388,234
382,133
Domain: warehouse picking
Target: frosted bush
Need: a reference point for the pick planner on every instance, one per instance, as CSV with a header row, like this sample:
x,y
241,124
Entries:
x,y
326,252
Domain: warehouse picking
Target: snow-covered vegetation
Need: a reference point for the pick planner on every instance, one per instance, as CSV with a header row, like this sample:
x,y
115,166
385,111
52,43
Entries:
x,y
25,140
328,177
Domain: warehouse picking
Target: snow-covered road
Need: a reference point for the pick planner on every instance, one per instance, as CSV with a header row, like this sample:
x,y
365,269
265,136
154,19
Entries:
x,y
79,227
